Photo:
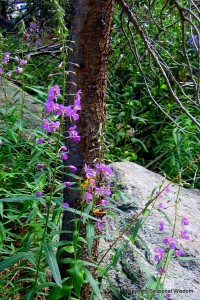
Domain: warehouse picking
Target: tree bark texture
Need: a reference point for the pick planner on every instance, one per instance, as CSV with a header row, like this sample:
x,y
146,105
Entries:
x,y
90,32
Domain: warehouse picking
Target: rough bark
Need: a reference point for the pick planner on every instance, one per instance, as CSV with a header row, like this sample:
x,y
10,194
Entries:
x,y
90,31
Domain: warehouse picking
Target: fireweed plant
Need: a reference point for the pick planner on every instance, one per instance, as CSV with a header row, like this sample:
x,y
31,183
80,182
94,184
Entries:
x,y
169,249
31,192
47,205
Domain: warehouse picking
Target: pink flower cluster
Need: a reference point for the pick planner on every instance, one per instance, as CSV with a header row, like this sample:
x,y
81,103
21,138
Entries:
x,y
19,67
93,191
52,107
32,35
170,243
59,109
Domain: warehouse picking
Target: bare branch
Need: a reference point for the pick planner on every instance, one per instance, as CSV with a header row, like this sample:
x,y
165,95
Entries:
x,y
161,64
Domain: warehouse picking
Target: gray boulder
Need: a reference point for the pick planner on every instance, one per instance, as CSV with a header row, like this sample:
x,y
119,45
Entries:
x,y
11,97
136,265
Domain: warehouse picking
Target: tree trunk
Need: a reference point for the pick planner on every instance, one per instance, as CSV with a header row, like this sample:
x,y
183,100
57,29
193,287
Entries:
x,y
90,31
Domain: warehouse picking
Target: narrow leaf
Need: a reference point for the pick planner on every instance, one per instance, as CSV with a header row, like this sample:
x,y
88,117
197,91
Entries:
x,y
19,199
90,236
118,254
15,258
29,295
77,275
58,292
94,284
52,262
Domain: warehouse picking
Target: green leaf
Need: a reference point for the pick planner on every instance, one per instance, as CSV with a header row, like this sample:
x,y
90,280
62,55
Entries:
x,y
52,262
77,272
15,258
59,187
135,230
58,293
188,258
87,211
144,244
19,199
118,252
75,239
125,298
137,141
29,295
90,236
94,284
75,211
166,216
123,197
35,89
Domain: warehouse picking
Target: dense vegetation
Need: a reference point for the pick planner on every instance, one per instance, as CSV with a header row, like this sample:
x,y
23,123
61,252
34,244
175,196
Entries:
x,y
142,132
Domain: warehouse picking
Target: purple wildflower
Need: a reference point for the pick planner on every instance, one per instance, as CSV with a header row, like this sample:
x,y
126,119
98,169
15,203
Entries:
x,y
178,252
48,107
185,221
99,224
185,235
77,100
74,115
92,183
170,242
37,43
168,296
63,156
107,190
89,172
1,70
66,204
159,195
102,168
88,197
167,190
6,58
161,226
63,148
160,206
40,141
23,62
159,254
16,59
99,190
38,194
19,70
104,202
40,166
67,183
59,109
73,134
50,126
53,92
193,40
161,270
68,111
9,74
72,168
33,26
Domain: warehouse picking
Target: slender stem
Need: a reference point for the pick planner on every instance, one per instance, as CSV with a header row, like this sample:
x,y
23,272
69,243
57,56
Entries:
x,y
48,208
